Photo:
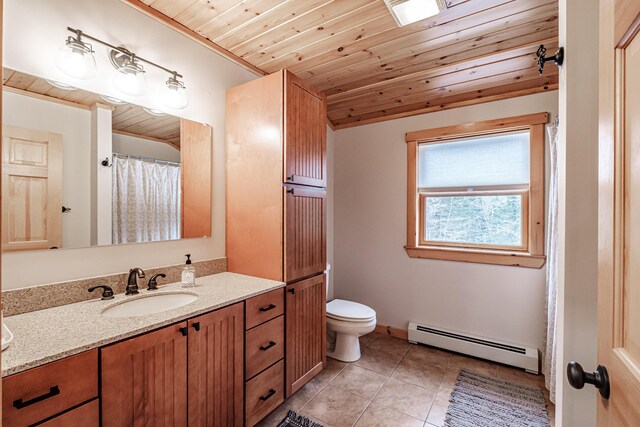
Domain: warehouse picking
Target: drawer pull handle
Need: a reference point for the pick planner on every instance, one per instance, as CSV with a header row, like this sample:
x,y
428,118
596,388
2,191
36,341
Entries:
x,y
268,346
267,308
268,395
54,391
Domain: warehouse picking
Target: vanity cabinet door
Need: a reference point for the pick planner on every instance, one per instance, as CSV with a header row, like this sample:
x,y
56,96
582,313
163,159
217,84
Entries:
x,y
306,133
305,233
306,342
144,379
216,364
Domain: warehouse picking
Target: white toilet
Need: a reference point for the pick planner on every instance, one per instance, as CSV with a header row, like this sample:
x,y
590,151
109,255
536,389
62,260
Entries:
x,y
348,320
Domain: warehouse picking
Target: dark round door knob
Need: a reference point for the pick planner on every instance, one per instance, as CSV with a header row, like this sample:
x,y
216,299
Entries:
x,y
578,378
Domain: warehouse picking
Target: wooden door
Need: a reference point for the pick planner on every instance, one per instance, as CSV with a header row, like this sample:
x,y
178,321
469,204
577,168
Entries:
x,y
306,341
216,365
144,380
619,212
32,189
304,232
196,157
306,133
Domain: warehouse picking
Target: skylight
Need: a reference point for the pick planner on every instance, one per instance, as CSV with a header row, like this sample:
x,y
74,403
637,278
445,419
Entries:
x,y
407,12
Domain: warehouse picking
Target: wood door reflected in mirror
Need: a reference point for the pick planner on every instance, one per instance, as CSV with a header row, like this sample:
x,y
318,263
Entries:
x,y
123,173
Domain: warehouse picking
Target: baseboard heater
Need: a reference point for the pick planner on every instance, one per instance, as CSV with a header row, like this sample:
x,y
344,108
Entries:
x,y
502,352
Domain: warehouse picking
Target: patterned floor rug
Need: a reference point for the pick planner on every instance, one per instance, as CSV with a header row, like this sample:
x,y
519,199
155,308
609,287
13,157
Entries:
x,y
479,401
294,420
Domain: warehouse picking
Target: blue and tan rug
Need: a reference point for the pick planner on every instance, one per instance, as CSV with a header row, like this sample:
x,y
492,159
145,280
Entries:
x,y
479,401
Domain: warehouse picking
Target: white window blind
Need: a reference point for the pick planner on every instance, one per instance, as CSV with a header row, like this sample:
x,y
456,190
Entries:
x,y
493,160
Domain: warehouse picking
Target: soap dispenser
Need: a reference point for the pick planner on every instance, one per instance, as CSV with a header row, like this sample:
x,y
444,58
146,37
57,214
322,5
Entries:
x,y
188,274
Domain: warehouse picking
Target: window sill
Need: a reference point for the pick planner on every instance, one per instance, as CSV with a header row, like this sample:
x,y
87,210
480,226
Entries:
x,y
513,259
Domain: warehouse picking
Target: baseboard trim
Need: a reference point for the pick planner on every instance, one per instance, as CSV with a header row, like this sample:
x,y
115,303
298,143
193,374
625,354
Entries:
x,y
392,331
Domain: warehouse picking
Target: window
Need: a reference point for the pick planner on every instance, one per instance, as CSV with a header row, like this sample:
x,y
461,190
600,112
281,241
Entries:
x,y
475,192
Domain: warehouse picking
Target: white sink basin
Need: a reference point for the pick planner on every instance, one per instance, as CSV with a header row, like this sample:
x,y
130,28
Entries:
x,y
150,304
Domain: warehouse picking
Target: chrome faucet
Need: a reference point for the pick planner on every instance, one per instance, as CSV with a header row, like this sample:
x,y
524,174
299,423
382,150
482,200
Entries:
x,y
132,282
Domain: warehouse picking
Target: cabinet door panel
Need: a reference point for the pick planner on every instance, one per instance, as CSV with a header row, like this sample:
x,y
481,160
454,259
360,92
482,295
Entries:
x,y
306,134
144,380
216,364
305,233
305,331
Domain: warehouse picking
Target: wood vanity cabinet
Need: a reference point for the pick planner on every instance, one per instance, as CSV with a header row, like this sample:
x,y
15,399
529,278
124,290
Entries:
x,y
276,142
68,386
189,373
306,331
215,368
264,354
276,205
144,379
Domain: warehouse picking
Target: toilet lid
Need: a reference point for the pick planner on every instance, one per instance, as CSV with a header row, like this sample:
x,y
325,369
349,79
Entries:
x,y
349,310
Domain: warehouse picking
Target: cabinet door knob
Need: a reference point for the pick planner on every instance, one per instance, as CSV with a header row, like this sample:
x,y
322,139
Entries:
x,y
292,291
290,178
196,326
268,395
184,331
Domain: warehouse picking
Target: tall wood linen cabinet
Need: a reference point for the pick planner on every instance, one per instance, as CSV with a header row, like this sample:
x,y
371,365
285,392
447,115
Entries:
x,y
276,206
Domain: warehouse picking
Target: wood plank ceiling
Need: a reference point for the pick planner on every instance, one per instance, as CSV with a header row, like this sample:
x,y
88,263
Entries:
x,y
371,69
127,119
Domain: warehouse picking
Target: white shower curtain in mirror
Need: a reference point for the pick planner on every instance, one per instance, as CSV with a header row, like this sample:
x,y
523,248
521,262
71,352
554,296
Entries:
x,y
146,200
549,361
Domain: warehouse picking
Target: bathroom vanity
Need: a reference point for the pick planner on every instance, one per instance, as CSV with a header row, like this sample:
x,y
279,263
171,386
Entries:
x,y
216,361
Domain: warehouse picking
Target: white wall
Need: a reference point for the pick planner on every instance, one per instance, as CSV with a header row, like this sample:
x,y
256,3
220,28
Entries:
x,y
330,204
371,265
33,32
74,124
126,144
578,208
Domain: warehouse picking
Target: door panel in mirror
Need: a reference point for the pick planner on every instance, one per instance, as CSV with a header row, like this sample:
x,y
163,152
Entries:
x,y
31,181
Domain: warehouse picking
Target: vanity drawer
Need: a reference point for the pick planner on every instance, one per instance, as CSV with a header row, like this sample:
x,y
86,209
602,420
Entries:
x,y
87,415
264,393
264,307
39,393
264,346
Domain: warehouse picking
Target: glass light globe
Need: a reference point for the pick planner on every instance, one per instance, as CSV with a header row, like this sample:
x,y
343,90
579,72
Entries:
x,y
76,59
130,79
174,94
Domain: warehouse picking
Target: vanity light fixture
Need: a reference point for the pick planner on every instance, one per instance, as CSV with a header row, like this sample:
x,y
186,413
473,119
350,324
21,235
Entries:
x,y
130,78
174,95
76,59
407,12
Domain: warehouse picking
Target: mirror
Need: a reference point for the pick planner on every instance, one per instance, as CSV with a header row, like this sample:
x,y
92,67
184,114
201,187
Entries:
x,y
80,169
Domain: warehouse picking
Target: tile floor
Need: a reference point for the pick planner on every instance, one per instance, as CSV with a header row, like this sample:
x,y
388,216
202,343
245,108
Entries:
x,y
393,384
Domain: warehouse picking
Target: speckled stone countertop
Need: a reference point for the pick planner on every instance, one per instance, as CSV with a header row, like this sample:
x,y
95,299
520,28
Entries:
x,y
51,334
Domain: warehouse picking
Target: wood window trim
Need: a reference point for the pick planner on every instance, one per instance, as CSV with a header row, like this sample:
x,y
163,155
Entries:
x,y
532,255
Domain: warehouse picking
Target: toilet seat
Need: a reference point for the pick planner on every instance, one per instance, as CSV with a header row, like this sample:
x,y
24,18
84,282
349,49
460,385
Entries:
x,y
349,311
